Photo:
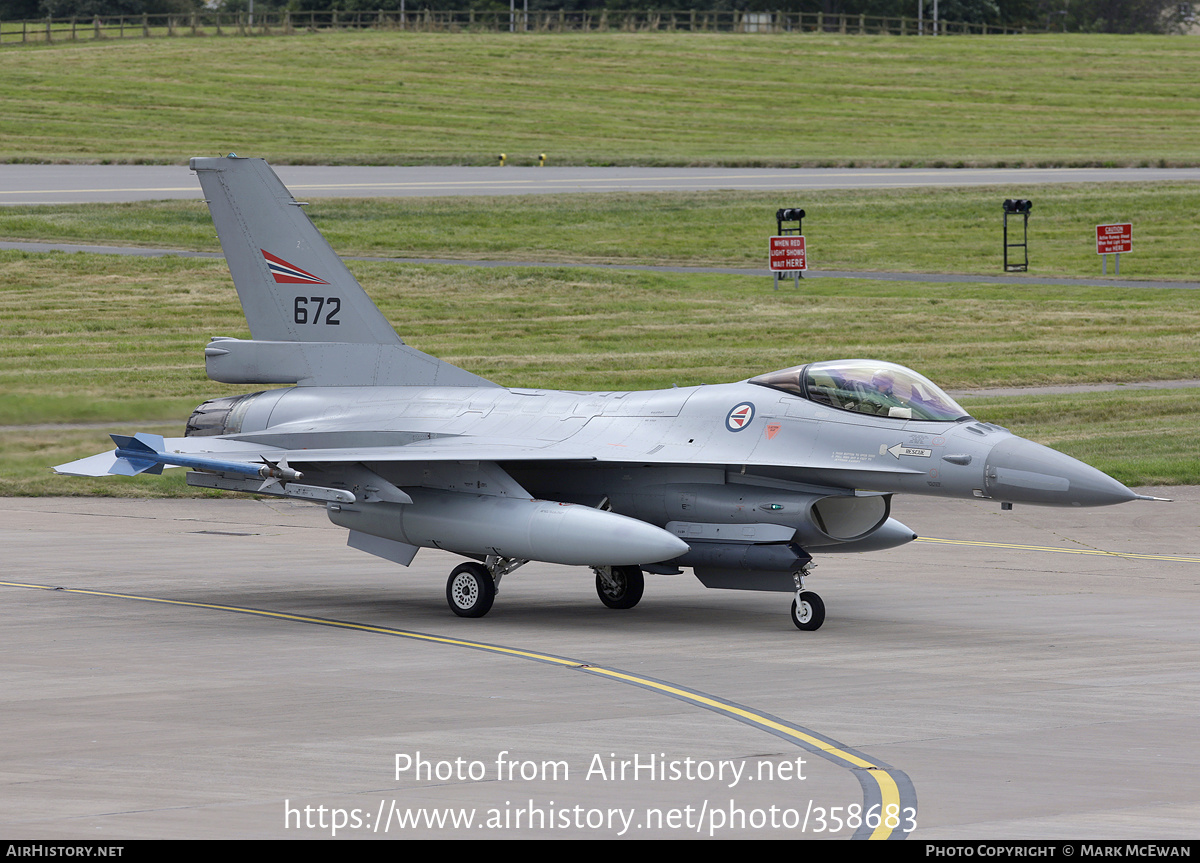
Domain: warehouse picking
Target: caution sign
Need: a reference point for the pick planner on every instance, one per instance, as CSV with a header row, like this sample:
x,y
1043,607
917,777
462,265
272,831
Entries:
x,y
787,254
1114,239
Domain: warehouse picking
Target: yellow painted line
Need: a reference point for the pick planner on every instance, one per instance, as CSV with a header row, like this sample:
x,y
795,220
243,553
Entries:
x,y
889,791
1091,551
757,719
890,795
300,618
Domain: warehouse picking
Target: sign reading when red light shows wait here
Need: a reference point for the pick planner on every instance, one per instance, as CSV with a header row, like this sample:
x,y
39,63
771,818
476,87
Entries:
x,y
787,254
1114,239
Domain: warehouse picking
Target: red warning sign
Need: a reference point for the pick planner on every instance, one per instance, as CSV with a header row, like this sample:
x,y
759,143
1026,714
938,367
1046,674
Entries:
x,y
1114,239
787,254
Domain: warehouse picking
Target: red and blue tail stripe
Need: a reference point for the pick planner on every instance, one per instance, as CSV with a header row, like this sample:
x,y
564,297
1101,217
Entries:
x,y
290,274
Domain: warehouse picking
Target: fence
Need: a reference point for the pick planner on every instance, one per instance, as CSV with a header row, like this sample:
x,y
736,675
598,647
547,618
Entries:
x,y
289,23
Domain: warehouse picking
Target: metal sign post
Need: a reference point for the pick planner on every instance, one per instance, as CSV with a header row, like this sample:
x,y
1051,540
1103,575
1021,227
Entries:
x,y
1112,240
787,253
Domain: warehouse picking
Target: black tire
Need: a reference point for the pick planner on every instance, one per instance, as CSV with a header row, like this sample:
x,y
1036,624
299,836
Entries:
x,y
470,590
809,614
630,584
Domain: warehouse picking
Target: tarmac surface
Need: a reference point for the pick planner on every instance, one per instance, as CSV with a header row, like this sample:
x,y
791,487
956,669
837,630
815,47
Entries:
x,y
1032,674
60,184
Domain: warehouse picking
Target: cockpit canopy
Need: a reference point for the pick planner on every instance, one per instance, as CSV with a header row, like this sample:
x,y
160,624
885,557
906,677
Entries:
x,y
868,387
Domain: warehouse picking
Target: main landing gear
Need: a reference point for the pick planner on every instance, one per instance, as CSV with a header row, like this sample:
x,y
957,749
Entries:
x,y
472,587
808,611
619,586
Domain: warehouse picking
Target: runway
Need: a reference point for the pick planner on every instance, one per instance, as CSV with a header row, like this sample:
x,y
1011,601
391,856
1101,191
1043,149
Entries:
x,y
61,184
229,669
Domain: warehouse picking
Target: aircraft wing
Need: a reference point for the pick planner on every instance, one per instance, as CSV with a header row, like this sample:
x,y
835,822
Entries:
x,y
223,454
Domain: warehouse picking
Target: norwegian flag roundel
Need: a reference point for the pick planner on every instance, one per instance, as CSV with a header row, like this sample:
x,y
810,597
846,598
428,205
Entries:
x,y
738,418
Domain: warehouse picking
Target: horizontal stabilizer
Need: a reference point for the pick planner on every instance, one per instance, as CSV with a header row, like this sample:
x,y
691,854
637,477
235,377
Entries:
x,y
94,465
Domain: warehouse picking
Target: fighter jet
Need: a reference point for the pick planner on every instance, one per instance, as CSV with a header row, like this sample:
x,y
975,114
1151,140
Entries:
x,y
740,482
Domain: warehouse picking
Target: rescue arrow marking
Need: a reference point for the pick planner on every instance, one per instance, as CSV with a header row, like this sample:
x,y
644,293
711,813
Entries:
x,y
900,449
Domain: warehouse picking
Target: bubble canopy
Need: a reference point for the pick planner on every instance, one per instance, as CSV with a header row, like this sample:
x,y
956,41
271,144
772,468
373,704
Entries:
x,y
867,387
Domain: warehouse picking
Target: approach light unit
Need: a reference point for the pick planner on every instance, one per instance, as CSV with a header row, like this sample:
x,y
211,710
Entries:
x,y
1017,207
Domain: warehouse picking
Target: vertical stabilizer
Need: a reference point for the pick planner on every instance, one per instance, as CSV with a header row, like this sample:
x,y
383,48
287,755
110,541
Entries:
x,y
312,323
293,286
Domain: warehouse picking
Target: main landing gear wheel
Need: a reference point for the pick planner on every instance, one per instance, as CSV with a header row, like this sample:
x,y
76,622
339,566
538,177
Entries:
x,y
620,586
808,611
470,590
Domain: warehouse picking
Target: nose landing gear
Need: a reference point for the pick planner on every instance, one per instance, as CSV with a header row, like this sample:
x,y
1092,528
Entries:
x,y
808,610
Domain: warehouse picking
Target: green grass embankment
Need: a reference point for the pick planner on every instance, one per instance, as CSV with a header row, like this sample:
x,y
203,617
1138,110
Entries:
x,y
952,230
611,98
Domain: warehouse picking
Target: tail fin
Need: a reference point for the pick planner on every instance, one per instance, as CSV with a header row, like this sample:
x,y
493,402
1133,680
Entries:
x,y
311,322
279,260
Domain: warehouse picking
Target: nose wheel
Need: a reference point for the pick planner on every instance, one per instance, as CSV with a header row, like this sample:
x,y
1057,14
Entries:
x,y
808,611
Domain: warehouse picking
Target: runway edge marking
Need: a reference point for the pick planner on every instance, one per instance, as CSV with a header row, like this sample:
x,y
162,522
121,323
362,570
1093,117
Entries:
x,y
882,785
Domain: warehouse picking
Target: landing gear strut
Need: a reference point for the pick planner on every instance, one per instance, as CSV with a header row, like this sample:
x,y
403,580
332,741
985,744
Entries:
x,y
808,610
619,586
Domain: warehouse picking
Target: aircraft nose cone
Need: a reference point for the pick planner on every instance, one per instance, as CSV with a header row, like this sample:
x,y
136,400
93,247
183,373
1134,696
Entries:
x,y
1022,471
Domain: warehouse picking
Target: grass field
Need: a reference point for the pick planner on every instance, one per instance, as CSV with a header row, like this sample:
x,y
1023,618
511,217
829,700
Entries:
x,y
650,99
915,230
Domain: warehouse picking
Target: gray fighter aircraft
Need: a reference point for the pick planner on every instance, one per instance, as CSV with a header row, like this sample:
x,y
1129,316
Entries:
x,y
742,482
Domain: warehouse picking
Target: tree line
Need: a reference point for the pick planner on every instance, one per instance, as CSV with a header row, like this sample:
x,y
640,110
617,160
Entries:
x,y
1104,16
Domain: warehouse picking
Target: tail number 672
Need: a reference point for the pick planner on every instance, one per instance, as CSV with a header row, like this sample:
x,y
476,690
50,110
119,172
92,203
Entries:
x,y
308,310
